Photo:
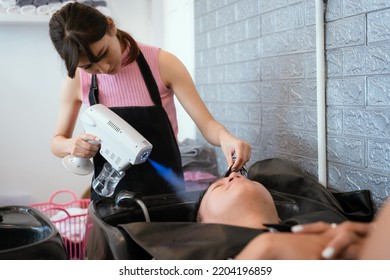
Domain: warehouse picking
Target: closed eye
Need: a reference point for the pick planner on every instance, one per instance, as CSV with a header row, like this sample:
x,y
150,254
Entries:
x,y
87,66
101,56
96,60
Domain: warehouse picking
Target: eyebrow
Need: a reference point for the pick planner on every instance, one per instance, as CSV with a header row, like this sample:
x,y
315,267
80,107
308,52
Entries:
x,y
99,56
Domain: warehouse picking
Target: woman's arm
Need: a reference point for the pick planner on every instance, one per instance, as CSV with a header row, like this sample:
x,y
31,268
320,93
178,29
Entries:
x,y
175,75
284,246
377,245
345,241
63,142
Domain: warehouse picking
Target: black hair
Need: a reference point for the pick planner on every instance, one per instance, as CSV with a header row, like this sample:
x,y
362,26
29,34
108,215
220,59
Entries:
x,y
195,217
75,27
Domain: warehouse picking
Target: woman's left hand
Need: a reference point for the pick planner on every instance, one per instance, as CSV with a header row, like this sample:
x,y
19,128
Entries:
x,y
284,246
345,239
241,150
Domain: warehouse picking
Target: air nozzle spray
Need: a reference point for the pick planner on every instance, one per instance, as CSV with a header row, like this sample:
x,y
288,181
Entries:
x,y
168,175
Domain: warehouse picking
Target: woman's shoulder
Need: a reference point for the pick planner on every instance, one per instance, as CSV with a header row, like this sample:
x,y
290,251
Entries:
x,y
148,49
151,54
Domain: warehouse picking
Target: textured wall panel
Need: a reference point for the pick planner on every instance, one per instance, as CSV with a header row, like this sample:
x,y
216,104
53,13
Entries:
x,y
353,7
367,60
346,91
256,71
346,32
378,26
378,91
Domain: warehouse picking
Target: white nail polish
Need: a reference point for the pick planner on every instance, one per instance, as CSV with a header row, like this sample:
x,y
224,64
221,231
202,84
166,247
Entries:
x,y
297,228
328,253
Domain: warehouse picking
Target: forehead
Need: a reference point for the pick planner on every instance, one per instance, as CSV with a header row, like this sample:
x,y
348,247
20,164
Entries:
x,y
96,48
98,45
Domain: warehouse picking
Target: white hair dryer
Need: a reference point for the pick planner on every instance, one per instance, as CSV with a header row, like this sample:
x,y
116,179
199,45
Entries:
x,y
121,145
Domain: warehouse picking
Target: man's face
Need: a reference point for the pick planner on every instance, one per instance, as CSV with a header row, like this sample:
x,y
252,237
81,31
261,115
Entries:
x,y
236,200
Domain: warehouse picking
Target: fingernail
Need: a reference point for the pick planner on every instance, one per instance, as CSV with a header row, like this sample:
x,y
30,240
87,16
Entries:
x,y
297,228
328,253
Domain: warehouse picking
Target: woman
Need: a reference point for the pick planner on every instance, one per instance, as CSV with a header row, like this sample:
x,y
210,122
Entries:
x,y
138,82
238,201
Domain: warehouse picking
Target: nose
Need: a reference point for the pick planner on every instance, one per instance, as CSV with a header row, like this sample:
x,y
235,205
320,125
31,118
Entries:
x,y
233,174
103,67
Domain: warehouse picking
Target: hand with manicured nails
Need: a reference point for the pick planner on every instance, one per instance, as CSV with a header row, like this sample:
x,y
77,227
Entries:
x,y
345,239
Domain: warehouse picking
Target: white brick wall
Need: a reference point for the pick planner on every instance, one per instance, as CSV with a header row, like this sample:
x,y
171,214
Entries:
x,y
255,69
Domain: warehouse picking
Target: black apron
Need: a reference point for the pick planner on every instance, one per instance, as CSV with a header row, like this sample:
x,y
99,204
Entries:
x,y
151,122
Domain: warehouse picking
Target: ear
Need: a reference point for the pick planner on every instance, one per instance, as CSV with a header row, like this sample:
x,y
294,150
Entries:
x,y
111,26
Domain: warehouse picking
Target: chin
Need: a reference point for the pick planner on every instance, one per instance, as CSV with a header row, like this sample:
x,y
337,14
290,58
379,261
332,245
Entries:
x,y
114,70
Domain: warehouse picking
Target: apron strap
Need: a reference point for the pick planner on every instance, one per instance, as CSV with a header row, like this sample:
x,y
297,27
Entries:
x,y
149,79
93,92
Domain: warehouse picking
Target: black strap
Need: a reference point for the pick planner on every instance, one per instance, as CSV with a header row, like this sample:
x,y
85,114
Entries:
x,y
93,92
149,79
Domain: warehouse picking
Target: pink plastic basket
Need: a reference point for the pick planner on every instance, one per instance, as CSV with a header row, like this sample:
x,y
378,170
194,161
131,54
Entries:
x,y
70,219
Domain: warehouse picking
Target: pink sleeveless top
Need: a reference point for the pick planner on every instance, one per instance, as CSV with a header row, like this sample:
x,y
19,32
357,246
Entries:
x,y
127,87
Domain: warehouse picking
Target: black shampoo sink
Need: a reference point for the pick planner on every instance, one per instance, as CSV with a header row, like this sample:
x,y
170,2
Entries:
x,y
27,234
107,241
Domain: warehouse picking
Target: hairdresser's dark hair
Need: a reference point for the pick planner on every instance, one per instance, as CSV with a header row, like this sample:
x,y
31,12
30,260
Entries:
x,y
75,27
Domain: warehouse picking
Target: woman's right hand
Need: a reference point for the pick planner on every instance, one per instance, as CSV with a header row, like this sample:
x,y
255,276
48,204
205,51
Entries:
x,y
84,145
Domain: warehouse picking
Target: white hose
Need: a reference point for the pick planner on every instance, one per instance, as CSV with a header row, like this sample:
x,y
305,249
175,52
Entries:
x,y
144,209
